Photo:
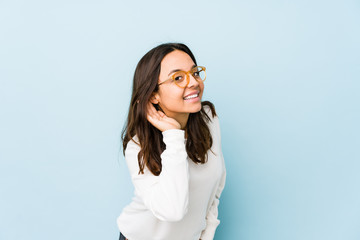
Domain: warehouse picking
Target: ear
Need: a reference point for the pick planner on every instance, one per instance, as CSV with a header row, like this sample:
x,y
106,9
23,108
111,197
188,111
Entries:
x,y
154,98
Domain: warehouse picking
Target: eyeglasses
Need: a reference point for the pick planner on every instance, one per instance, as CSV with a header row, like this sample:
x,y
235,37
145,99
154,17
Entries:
x,y
182,78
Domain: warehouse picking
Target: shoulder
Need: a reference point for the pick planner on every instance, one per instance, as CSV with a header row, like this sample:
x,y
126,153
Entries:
x,y
131,156
133,145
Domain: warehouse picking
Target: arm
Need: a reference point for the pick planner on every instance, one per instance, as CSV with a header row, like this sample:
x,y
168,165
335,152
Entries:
x,y
166,195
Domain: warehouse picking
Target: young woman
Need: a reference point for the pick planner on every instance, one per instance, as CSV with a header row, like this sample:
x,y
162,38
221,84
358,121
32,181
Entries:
x,y
172,148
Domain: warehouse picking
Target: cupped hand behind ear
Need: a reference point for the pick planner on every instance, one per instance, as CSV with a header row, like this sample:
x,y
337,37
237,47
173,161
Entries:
x,y
159,120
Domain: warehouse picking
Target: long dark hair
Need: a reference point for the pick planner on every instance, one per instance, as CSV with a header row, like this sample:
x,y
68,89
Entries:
x,y
150,139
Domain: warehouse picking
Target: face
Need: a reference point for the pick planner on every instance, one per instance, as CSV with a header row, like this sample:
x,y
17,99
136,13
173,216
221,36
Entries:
x,y
173,100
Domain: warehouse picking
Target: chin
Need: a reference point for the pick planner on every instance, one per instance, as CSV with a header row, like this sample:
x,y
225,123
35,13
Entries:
x,y
196,108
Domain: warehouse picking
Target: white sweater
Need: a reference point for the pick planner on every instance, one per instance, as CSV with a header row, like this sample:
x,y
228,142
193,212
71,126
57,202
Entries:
x,y
182,202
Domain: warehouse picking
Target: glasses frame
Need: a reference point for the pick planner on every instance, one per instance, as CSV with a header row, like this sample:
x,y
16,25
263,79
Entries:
x,y
187,76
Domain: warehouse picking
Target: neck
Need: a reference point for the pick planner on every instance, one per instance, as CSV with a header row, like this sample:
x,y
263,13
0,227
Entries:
x,y
182,119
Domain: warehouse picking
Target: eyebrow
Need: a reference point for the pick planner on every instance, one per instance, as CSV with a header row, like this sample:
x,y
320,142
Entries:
x,y
175,70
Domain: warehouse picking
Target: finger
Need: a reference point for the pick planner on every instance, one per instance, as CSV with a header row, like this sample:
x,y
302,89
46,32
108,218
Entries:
x,y
153,113
151,109
151,118
162,114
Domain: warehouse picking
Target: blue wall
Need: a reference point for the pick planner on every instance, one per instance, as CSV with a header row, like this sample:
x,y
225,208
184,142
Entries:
x,y
283,75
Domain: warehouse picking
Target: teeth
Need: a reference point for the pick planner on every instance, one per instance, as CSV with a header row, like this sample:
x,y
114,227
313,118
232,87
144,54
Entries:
x,y
191,96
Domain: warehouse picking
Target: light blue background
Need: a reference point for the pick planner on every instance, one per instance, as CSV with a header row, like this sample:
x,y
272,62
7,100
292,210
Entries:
x,y
284,76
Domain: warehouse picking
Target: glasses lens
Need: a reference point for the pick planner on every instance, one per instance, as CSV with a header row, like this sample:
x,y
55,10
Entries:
x,y
179,78
199,73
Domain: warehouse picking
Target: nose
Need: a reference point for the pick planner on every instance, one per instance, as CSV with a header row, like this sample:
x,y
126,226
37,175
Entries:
x,y
192,81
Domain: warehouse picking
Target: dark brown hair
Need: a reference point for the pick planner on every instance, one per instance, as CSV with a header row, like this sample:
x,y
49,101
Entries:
x,y
150,139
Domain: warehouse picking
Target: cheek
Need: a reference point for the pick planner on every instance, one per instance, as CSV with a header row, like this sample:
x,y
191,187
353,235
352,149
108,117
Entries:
x,y
202,86
172,96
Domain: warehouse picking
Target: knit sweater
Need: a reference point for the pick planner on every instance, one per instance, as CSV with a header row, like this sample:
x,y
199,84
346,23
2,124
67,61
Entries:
x,y
182,202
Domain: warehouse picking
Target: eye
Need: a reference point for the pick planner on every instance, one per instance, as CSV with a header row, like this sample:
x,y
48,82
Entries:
x,y
196,71
196,74
178,77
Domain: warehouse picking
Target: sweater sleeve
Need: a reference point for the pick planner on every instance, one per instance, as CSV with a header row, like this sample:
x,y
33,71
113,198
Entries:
x,y
166,195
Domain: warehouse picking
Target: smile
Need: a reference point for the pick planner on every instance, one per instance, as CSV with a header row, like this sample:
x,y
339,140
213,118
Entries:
x,y
191,96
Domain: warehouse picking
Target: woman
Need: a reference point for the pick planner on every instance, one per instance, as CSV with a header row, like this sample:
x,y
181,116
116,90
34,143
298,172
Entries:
x,y
172,148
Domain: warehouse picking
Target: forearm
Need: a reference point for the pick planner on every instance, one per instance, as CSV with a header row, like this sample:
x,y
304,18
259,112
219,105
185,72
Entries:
x,y
166,195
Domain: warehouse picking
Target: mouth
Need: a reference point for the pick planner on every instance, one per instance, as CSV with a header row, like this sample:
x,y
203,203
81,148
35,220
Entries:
x,y
192,96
